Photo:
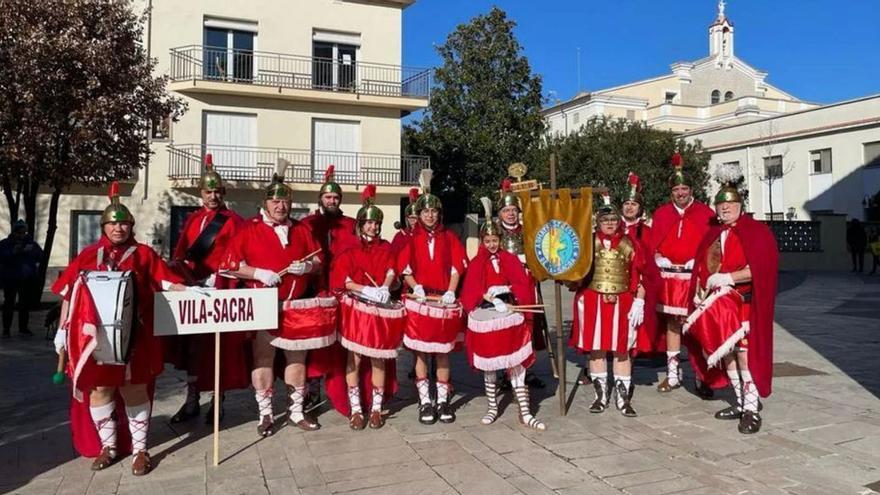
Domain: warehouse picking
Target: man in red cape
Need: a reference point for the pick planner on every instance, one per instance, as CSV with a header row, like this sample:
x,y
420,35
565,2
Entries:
x,y
676,230
739,255
204,239
107,387
333,231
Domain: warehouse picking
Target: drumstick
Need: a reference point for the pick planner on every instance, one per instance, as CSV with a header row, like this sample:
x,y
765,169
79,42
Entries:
x,y
304,258
427,298
527,306
58,377
519,310
372,281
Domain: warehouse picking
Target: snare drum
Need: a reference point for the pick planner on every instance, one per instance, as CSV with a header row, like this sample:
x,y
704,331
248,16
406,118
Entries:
x,y
306,324
432,326
675,283
113,293
719,323
498,341
369,328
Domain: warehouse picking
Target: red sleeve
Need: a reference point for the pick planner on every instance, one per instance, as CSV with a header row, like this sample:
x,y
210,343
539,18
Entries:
x,y
65,281
522,285
404,257
637,267
236,252
159,270
473,286
458,254
181,247
340,270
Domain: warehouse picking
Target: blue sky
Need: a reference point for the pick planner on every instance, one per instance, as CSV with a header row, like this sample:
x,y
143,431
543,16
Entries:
x,y
818,50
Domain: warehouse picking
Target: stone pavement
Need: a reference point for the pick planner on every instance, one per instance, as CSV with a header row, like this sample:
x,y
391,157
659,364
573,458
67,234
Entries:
x,y
821,430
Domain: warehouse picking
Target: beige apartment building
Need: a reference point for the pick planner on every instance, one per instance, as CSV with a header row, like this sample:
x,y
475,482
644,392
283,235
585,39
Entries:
x,y
716,90
316,82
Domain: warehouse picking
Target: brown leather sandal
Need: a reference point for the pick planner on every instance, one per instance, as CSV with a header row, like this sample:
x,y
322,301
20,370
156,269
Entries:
x,y
141,464
376,420
356,421
105,459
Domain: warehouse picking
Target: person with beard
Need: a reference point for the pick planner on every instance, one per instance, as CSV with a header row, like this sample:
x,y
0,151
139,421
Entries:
x,y
608,310
732,295
204,239
105,385
432,263
333,231
676,231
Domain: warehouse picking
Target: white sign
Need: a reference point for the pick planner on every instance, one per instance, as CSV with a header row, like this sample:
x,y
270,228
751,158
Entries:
x,y
233,310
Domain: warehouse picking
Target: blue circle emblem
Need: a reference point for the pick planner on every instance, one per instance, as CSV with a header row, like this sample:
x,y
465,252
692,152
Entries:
x,y
557,247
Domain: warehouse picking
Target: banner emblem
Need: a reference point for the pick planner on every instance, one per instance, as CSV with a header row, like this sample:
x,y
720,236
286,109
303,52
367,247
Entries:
x,y
557,247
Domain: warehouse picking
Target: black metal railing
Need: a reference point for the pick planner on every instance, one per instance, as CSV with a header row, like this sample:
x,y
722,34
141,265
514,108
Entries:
x,y
306,166
796,236
197,62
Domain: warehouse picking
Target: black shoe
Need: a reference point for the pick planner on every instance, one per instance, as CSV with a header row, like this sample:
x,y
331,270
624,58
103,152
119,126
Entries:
x,y
599,405
25,331
704,391
533,381
445,412
186,412
729,413
626,394
209,416
749,423
427,414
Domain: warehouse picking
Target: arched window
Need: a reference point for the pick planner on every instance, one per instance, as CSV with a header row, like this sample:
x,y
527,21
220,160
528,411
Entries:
x,y
728,96
716,96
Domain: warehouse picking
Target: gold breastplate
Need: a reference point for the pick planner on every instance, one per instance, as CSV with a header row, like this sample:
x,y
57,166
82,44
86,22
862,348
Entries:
x,y
512,242
611,267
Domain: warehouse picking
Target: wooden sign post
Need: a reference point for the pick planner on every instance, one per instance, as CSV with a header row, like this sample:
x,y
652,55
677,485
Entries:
x,y
215,311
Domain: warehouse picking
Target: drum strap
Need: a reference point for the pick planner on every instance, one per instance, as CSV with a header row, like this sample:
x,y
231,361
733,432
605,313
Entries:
x,y
128,252
205,240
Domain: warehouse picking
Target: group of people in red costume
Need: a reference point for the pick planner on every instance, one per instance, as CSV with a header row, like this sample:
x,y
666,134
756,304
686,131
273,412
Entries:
x,y
695,276
349,300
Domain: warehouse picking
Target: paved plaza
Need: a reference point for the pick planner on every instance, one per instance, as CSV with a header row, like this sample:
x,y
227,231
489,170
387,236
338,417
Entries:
x,y
821,431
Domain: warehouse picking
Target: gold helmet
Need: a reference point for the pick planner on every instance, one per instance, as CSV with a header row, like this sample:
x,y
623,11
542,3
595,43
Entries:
x,y
508,197
369,210
489,227
278,189
679,176
606,208
427,200
116,211
729,175
211,180
329,185
634,189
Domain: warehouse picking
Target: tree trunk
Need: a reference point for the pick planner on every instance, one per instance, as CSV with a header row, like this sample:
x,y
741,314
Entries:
x,y
31,191
50,237
11,201
770,196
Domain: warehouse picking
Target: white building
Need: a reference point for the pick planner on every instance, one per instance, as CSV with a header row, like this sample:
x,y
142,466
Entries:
x,y
718,89
317,82
828,158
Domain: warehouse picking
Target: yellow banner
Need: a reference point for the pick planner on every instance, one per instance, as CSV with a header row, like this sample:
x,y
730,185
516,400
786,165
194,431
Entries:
x,y
557,234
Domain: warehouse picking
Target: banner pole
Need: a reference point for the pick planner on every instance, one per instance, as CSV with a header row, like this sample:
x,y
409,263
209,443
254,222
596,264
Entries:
x,y
217,398
557,292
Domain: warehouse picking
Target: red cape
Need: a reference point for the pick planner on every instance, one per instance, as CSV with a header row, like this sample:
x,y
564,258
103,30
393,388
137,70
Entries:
x,y
762,256
666,217
651,337
474,286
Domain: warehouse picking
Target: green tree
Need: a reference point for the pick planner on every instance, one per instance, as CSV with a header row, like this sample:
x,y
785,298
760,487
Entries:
x,y
604,150
77,100
484,113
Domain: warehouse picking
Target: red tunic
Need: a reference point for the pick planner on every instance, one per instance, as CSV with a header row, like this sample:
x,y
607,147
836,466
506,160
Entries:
x,y
599,325
401,239
676,236
181,350
334,234
505,340
650,338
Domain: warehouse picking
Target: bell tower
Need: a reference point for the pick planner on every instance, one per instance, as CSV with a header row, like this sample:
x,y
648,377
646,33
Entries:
x,y
721,37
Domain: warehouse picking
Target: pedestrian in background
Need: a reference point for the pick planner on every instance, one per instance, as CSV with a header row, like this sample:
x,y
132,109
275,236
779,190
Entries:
x,y
20,260
856,241
874,246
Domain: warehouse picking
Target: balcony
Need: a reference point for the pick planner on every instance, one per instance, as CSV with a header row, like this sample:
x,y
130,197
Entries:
x,y
204,69
257,165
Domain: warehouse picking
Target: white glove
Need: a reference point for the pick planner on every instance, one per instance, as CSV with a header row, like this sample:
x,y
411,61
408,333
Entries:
x,y
211,281
267,277
636,314
60,340
500,306
497,290
718,280
689,265
663,262
383,294
448,297
300,268
370,293
199,290
419,292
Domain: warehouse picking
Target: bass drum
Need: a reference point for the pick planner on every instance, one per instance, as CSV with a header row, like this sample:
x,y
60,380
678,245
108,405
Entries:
x,y
114,296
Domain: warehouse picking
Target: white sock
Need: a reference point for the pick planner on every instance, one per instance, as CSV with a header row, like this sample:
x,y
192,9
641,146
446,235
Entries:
x,y
138,425
442,392
750,392
297,397
672,364
354,399
518,376
378,395
736,384
490,379
424,391
264,401
627,380
102,416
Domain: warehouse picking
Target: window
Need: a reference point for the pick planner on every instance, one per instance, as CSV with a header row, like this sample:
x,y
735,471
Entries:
x,y
576,118
716,97
728,96
670,97
162,128
85,230
334,60
228,52
630,115
872,154
773,166
821,161
776,216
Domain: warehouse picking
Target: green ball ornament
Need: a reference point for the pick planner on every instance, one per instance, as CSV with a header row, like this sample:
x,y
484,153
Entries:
x,y
58,378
